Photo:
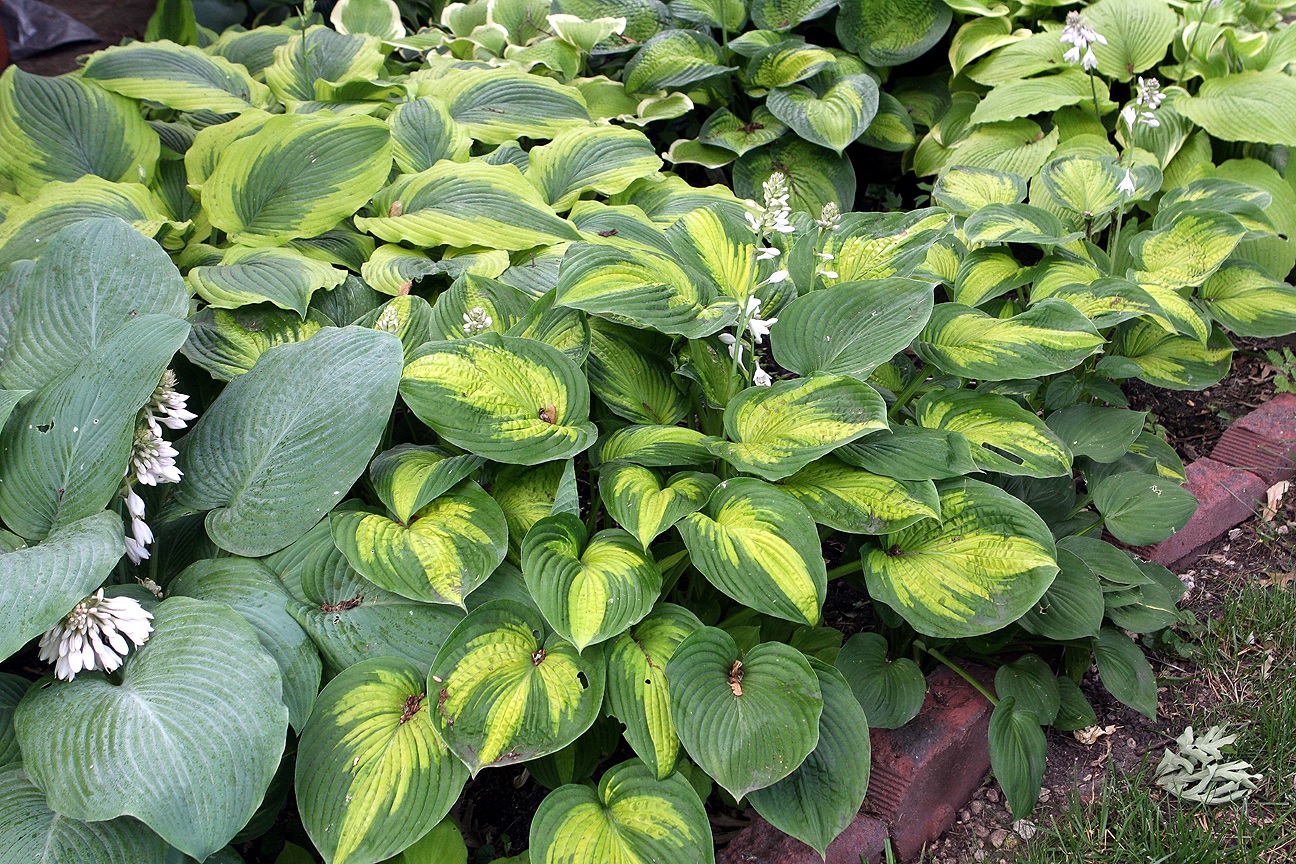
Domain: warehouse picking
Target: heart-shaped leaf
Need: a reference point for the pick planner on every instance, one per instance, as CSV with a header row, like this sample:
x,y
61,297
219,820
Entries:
x,y
910,453
832,120
891,692
408,476
635,497
588,588
856,501
656,446
1051,336
1125,672
372,777
227,342
1032,683
246,275
1072,607
1004,436
748,720
1141,509
198,709
528,495
891,32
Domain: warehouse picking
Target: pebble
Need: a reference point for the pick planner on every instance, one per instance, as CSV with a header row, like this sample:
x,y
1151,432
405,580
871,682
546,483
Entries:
x,y
998,837
981,831
964,816
992,795
1025,828
976,807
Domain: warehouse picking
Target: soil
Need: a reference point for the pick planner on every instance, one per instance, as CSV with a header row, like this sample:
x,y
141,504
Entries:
x,y
113,20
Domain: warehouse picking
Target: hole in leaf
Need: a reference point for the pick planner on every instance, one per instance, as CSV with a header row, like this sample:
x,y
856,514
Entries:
x,y
45,427
1000,452
584,682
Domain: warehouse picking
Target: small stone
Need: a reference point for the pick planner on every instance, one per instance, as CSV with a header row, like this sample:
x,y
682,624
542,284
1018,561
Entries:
x,y
964,816
981,831
1025,828
992,795
1045,795
976,807
979,855
998,837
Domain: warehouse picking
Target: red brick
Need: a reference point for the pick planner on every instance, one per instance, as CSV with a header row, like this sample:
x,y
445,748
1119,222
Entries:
x,y
1275,420
762,843
1241,448
1228,496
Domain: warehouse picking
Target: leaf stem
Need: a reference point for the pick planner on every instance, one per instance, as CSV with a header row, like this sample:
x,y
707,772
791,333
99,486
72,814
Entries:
x,y
906,394
959,671
846,569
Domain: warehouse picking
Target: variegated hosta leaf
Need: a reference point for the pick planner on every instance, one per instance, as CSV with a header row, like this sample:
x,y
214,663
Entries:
x,y
911,453
638,694
1246,300
892,128
636,498
869,246
786,14
1085,186
891,32
227,343
588,588
988,273
856,501
832,120
717,247
632,816
317,61
509,399
393,269
641,288
1004,436
673,59
603,159
1148,352
759,545
1105,301
407,317
460,203
490,306
408,476
1016,223
372,776
424,133
981,567
1185,253
297,177
177,76
657,446
248,275
775,431
963,189
815,176
783,63
626,370
729,131
1051,336
499,105
566,329
747,719
506,692
379,18
209,144
528,495
448,548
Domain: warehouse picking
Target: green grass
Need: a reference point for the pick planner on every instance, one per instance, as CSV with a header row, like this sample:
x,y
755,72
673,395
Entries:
x,y
1247,674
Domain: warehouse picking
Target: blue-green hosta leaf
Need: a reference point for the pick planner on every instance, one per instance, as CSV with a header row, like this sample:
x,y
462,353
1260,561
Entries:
x,y
890,691
63,128
1105,301
859,502
321,56
1017,755
832,120
637,691
1016,223
815,176
507,692
1004,436
462,203
253,590
282,444
963,189
747,719
252,49
248,274
1148,352
786,14
784,63
867,246
448,547
1030,681
528,495
1138,33
982,566
1051,336
296,177
1102,434
1072,607
407,317
12,689
1125,672
892,32
1245,106
408,476
424,133
509,399
372,776
673,59
68,445
633,816
1023,98
1018,147
727,130
381,18
911,453
198,708
177,76
603,159
777,430
626,371
656,446
588,588
1246,300
758,544
1141,509
819,799
640,503
499,105
227,343
1185,253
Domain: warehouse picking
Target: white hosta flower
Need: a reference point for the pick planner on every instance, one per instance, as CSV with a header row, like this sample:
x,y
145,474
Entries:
x,y
828,216
761,378
134,503
757,326
768,253
153,457
773,215
476,320
827,274
1080,36
730,340
166,407
95,634
777,276
136,551
826,256
1127,186
388,321
1149,93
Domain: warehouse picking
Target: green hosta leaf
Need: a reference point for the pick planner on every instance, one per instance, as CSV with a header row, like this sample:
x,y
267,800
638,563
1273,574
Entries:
x,y
673,59
227,343
1075,713
325,401
1102,434
12,689
892,128
729,131
1030,681
758,544
1047,93
911,453
63,128
963,189
379,18
890,691
42,583
815,176
1175,362
832,120
819,799
1086,186
507,692
856,501
197,709
626,371
982,566
632,816
1004,436
1187,252
1125,671
177,76
1104,301
372,776
747,719
448,547
987,273
296,177
637,692
408,476
1072,607
636,498
1016,223
786,14
603,159
1138,33
499,105
1141,509
588,588
1245,106
777,430
509,399
528,495
892,32
315,62
248,275
1051,336
656,446
869,246
787,62
566,329
852,327
252,590
1246,300
1017,755
424,133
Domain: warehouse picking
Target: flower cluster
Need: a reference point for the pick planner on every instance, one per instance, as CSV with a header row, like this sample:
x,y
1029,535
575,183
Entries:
x,y
774,214
476,320
94,635
153,458
1081,37
828,216
1147,101
759,328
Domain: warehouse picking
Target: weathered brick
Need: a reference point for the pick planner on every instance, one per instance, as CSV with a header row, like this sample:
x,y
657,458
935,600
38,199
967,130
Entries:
x,y
762,843
1227,497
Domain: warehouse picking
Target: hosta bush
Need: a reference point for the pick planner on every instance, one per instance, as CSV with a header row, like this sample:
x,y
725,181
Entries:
x,y
379,412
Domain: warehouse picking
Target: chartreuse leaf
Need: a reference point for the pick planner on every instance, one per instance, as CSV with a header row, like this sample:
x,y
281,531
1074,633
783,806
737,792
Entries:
x,y
1138,33
1004,436
673,59
982,566
1125,672
177,76
1141,509
448,547
528,495
1102,434
656,446
890,691
637,691
1020,98
424,133
626,370
1049,337
499,105
777,430
315,62
248,275
459,203
963,189
63,128
379,18
298,176
506,692
819,799
1031,682
324,402
227,343
1016,223
747,719
197,708
1144,350
869,246
911,453
640,503
832,120
1246,300
1244,106
372,776
1017,755
393,269
1184,253
509,399
632,816
758,544
852,327
786,14
588,588
729,131
603,159
408,476
856,501
892,32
